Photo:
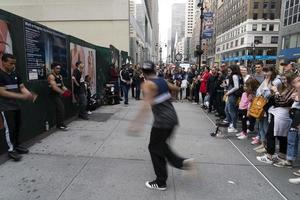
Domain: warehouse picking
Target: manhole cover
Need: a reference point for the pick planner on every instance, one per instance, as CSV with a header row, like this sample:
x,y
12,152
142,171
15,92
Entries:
x,y
99,117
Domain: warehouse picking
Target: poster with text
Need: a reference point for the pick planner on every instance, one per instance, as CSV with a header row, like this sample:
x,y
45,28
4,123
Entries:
x,y
43,47
88,57
5,39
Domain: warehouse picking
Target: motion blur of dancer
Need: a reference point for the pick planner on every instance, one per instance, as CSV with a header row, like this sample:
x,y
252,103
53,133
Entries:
x,y
156,93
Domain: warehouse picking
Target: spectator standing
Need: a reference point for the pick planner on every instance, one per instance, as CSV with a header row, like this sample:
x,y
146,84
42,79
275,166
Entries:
x,y
125,82
203,84
58,91
79,89
259,74
211,88
11,90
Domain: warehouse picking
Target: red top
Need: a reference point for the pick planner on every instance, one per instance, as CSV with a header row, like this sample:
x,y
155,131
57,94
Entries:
x,y
204,78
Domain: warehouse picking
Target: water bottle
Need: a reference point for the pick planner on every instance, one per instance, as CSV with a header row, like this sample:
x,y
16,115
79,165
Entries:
x,y
47,126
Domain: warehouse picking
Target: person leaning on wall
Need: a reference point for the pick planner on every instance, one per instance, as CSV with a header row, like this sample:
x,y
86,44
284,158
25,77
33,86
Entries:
x,y
11,90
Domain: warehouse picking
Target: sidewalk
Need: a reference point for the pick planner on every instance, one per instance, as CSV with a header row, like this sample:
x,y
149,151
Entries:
x,y
96,160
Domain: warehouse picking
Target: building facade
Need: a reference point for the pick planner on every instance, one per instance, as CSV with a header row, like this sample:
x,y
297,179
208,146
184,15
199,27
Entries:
x,y
247,31
290,31
102,23
189,26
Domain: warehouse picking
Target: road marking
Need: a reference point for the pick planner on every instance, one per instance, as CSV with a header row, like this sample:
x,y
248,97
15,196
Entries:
x,y
272,185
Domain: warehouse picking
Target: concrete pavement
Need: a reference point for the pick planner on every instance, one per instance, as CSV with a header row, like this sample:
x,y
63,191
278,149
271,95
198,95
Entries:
x,y
97,160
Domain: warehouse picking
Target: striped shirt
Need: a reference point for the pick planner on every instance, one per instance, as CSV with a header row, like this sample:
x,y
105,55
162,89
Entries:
x,y
11,82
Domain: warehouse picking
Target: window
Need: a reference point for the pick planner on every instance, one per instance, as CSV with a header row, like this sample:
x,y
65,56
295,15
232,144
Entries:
x,y
231,44
258,39
286,4
293,41
227,46
274,40
292,3
256,5
273,5
272,16
265,5
255,15
265,16
298,41
264,27
242,41
271,27
290,20
295,19
236,43
254,27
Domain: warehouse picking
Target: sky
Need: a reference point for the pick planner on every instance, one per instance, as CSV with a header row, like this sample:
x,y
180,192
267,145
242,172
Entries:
x,y
165,9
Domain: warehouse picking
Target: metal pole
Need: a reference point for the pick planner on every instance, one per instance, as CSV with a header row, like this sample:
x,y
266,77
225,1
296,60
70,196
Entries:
x,y
200,36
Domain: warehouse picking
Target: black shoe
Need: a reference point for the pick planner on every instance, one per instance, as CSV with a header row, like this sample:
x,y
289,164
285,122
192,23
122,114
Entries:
x,y
63,127
21,150
14,155
155,185
126,103
83,117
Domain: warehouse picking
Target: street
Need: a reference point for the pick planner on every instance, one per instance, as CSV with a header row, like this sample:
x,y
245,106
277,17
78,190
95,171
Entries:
x,y
97,160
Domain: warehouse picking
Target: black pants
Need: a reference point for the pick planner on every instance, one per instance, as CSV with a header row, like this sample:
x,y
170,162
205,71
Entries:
x,y
160,153
271,142
244,118
132,90
212,101
60,110
82,100
203,95
11,121
220,104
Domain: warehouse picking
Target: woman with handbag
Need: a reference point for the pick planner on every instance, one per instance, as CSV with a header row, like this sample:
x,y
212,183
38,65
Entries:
x,y
279,120
264,91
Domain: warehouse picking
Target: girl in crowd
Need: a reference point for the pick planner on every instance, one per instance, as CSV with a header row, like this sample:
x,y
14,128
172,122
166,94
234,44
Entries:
x,y
250,88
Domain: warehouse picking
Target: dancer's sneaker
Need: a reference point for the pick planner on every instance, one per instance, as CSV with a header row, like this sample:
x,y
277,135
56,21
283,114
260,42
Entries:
x,y
294,180
297,173
154,185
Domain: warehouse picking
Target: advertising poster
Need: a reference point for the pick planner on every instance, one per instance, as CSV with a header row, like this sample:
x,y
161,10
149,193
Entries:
x,y
5,39
43,47
88,57
208,22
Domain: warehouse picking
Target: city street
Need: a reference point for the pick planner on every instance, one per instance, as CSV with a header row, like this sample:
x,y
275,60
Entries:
x,y
97,160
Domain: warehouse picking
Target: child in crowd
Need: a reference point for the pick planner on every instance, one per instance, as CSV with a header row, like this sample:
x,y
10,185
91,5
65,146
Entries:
x,y
250,88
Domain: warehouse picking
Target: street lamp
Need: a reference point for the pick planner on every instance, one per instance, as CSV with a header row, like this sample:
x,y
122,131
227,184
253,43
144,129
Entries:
x,y
200,51
253,45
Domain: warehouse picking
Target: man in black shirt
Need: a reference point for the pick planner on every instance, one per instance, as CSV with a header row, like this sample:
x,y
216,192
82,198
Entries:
x,y
11,90
79,89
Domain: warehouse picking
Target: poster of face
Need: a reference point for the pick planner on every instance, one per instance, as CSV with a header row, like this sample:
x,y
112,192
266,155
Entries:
x,y
43,47
88,57
5,39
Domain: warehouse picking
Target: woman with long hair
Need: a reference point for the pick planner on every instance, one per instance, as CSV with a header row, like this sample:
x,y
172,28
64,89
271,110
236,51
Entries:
x,y
235,81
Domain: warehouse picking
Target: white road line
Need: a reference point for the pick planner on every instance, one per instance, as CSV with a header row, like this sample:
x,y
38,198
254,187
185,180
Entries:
x,y
272,185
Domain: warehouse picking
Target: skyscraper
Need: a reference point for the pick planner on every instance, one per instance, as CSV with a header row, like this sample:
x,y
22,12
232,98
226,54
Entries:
x,y
178,25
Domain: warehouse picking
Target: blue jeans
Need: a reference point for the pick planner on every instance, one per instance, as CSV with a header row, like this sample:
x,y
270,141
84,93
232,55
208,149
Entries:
x,y
293,143
231,110
125,89
262,128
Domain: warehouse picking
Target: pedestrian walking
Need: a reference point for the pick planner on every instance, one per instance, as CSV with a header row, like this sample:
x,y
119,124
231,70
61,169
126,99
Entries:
x,y
11,90
156,93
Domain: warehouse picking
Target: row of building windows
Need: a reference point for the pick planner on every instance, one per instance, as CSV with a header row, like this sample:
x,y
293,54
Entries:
x,y
264,5
291,3
291,41
255,27
270,16
257,40
263,27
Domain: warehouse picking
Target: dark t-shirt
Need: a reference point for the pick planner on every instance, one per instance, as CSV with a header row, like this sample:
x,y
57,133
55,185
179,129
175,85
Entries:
x,y
12,83
78,76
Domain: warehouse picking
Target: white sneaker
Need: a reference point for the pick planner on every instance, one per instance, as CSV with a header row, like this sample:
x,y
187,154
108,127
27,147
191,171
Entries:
x,y
294,180
89,112
232,130
238,134
264,159
242,136
225,121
